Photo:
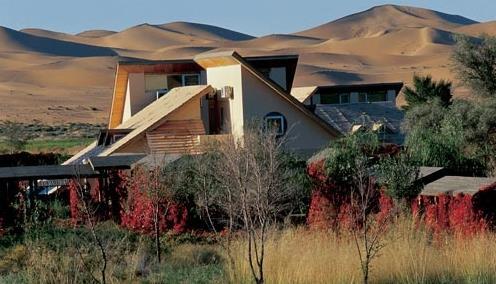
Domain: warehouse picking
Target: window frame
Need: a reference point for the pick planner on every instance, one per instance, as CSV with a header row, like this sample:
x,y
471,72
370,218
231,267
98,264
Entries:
x,y
197,75
368,94
282,128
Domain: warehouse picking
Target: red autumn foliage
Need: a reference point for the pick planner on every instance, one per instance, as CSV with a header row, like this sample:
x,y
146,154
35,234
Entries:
x,y
330,206
138,216
74,201
386,206
450,214
463,215
104,196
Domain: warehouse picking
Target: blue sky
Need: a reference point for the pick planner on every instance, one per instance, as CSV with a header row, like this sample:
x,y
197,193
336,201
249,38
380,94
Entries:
x,y
256,17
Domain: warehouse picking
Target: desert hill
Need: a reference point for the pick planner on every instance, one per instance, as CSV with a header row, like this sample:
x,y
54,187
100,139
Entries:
x,y
384,19
58,77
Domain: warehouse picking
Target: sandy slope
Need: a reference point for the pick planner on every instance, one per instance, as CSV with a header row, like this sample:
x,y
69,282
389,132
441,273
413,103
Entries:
x,y
57,77
488,28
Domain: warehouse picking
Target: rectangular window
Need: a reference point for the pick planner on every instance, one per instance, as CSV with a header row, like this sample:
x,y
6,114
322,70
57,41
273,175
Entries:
x,y
377,96
329,99
362,97
174,81
344,98
191,79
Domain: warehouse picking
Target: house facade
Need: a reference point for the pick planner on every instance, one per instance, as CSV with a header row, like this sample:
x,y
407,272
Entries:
x,y
175,107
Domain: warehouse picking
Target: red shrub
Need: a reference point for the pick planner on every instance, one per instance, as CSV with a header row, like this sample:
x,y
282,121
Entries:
x,y
138,215
451,214
321,212
72,187
386,206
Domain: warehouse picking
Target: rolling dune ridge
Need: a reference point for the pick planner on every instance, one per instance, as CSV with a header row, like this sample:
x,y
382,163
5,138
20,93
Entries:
x,y
55,77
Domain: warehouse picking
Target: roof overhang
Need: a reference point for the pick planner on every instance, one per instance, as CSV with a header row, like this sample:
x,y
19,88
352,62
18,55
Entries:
x,y
93,167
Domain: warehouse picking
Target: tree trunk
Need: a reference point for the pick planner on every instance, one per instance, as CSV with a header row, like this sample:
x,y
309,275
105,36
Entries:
x,y
157,235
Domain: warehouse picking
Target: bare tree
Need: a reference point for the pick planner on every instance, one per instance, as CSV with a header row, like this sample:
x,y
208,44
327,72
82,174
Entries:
x,y
89,218
367,231
255,192
156,183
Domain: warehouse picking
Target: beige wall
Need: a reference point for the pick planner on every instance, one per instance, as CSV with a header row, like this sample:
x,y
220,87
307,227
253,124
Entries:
x,y
253,99
219,77
154,82
259,99
136,98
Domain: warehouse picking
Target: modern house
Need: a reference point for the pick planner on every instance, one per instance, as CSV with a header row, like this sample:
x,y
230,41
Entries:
x,y
175,107
351,108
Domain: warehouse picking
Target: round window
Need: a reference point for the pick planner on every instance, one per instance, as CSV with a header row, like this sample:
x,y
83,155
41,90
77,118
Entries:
x,y
276,122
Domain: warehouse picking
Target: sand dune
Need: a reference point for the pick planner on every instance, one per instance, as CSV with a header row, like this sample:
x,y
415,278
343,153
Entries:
x,y
478,29
15,41
205,31
58,77
95,33
382,19
278,41
406,41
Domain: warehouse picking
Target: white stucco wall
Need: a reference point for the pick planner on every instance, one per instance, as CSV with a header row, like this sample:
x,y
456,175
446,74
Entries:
x,y
259,99
221,76
127,104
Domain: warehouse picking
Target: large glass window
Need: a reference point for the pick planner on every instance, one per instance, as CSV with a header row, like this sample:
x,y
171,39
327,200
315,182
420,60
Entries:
x,y
174,81
362,97
377,96
329,99
344,98
191,79
335,98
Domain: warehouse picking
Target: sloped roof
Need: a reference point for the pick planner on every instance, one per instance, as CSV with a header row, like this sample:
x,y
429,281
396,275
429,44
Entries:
x,y
226,58
452,185
303,93
343,117
91,150
155,112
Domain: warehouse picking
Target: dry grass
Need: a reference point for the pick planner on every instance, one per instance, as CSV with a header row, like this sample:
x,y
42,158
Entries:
x,y
295,255
410,256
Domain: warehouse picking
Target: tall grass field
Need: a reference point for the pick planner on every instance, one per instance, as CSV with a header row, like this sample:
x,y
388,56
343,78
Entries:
x,y
294,255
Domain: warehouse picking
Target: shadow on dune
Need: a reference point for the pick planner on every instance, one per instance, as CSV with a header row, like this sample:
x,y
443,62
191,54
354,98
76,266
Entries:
x,y
14,41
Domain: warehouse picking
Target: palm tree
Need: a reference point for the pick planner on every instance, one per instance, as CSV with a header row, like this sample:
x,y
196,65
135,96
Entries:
x,y
425,89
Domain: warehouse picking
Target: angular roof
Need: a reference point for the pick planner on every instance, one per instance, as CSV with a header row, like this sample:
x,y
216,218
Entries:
x,y
226,58
156,112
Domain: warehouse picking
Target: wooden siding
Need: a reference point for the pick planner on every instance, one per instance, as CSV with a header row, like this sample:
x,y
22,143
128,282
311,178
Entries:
x,y
176,137
118,98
